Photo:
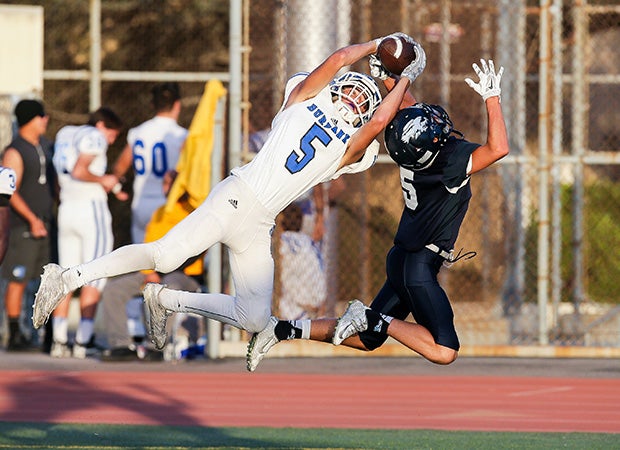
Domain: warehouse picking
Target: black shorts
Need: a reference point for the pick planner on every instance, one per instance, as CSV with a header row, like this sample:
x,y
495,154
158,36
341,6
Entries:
x,y
412,287
25,256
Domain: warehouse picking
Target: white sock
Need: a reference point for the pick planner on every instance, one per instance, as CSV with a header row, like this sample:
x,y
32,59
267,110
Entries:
x,y
126,259
135,317
60,327
85,331
221,307
304,324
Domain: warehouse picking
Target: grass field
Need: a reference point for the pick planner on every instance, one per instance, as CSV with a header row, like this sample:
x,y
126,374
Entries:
x,y
67,436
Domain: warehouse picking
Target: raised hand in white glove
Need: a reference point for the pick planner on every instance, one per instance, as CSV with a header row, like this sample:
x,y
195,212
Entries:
x,y
413,70
376,68
7,181
489,80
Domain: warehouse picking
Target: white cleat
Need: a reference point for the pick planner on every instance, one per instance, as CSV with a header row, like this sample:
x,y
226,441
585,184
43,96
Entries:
x,y
51,292
60,350
260,343
352,322
157,314
84,351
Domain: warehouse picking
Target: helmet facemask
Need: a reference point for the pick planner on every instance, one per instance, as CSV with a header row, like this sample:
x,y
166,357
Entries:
x,y
356,97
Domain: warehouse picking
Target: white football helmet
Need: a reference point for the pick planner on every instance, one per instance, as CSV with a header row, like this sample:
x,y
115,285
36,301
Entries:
x,y
356,96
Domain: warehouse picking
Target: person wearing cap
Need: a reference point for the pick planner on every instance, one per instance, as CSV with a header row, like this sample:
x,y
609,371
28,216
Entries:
x,y
29,155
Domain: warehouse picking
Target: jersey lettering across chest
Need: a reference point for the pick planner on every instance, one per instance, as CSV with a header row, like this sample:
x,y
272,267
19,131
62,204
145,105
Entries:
x,y
322,132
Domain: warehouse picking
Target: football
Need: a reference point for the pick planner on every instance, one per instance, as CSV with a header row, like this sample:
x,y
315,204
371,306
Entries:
x,y
395,53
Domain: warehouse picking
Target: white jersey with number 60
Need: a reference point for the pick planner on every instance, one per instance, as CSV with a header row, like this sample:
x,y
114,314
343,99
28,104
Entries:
x,y
156,145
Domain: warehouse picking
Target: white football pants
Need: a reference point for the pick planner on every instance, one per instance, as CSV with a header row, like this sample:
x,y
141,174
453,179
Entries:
x,y
230,215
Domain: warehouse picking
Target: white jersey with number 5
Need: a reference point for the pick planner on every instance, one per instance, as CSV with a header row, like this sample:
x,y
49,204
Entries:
x,y
156,145
84,220
71,141
304,148
7,181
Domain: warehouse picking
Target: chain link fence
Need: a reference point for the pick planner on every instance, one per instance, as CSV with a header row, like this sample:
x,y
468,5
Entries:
x,y
544,221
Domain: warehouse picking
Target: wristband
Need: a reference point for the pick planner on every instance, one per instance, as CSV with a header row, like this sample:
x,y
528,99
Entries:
x,y
117,188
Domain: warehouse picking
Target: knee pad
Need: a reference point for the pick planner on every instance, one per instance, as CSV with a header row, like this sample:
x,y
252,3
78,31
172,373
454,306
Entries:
x,y
159,264
257,320
168,256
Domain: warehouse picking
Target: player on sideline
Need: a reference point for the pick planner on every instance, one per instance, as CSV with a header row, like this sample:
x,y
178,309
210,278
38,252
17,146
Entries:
x,y
435,168
84,220
326,127
153,147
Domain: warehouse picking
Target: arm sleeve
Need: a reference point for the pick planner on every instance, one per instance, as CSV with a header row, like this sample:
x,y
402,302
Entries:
x,y
367,161
455,175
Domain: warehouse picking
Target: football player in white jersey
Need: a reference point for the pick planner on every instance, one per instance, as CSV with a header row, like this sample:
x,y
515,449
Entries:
x,y
84,220
7,187
436,163
326,127
153,148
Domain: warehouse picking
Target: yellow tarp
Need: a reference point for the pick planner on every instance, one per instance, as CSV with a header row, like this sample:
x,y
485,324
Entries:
x,y
194,166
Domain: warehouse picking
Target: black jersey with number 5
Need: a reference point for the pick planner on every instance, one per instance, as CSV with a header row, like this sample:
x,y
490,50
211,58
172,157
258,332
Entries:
x,y
436,198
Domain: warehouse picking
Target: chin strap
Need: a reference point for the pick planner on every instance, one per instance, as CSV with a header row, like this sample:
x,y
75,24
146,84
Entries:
x,y
449,257
347,114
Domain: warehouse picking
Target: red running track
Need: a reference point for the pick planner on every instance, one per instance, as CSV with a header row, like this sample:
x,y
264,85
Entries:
x,y
295,400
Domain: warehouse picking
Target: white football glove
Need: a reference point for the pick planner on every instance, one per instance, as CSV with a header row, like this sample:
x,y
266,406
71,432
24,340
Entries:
x,y
7,181
489,80
376,68
413,70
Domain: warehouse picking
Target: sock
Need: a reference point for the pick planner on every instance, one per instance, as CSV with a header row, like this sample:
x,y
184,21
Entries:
x,y
378,322
61,329
292,329
72,279
85,331
13,326
304,325
135,317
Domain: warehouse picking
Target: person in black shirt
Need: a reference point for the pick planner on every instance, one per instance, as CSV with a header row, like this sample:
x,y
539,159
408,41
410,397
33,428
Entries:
x,y
31,212
435,163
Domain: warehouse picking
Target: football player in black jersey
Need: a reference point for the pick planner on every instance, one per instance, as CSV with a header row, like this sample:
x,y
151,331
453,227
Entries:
x,y
435,163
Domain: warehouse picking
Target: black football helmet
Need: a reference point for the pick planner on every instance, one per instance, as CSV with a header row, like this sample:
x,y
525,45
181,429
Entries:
x,y
416,135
